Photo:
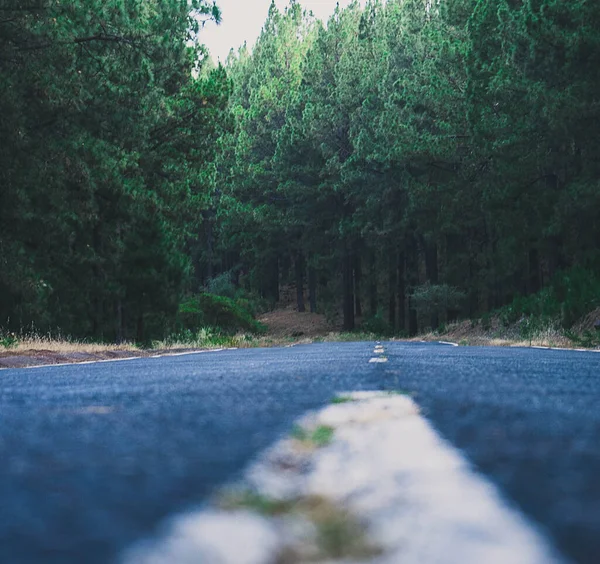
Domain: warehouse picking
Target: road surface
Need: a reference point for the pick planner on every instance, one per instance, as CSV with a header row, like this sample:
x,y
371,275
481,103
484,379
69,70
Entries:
x,y
94,457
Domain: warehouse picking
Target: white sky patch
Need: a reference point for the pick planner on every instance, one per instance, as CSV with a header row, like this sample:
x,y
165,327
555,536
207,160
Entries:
x,y
244,19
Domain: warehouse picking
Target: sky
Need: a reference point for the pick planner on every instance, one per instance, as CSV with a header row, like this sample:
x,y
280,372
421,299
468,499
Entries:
x,y
243,20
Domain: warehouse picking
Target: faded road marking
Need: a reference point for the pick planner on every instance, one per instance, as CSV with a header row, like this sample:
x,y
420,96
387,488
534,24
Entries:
x,y
386,467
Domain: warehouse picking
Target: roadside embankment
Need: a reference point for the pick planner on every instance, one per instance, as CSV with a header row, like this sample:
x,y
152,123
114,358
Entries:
x,y
32,357
525,332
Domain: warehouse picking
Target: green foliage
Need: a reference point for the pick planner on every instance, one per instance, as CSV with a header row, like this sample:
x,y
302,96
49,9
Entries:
x,y
586,340
8,340
342,399
578,292
222,285
318,437
430,299
219,312
570,296
448,148
253,501
106,138
486,321
377,325
205,337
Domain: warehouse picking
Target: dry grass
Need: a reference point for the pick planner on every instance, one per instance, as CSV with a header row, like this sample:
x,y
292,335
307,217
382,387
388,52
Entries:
x,y
587,322
60,346
36,351
469,333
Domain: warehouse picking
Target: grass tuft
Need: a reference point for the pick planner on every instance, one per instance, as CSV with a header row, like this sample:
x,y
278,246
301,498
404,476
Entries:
x,y
253,501
27,343
342,399
338,534
319,437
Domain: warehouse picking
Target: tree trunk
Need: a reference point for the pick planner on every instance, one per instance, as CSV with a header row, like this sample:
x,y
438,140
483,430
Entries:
x,y
413,326
432,273
392,293
140,328
312,289
534,272
348,291
274,280
373,306
401,291
119,322
299,266
269,282
412,268
209,249
357,283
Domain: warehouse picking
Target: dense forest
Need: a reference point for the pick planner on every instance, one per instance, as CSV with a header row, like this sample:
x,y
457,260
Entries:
x,y
404,164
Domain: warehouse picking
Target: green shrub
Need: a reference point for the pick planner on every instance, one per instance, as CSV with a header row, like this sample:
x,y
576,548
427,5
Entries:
x,y
376,325
208,310
486,321
222,285
578,292
251,302
586,340
571,295
8,340
429,299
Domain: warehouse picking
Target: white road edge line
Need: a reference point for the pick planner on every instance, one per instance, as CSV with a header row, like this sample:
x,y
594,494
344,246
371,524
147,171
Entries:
x,y
126,359
421,501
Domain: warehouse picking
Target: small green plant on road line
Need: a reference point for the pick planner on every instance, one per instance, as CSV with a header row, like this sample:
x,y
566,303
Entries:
x,y
319,437
254,501
342,399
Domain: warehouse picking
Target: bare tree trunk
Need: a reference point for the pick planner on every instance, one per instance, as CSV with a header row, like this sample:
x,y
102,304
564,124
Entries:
x,y
348,291
534,272
413,325
119,322
401,291
357,283
431,267
412,267
312,289
299,267
373,306
269,280
392,293
209,250
139,336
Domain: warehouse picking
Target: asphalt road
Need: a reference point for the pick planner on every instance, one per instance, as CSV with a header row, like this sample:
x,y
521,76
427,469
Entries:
x,y
93,457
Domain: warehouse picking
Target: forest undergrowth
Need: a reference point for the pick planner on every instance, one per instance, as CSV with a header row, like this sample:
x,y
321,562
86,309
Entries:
x,y
522,323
